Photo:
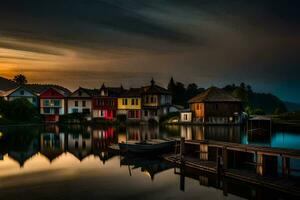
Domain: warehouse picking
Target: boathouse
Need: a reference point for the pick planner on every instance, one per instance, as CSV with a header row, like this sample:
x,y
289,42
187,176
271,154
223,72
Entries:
x,y
215,106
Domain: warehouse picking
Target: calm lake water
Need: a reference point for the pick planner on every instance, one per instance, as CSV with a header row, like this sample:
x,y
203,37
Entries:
x,y
74,162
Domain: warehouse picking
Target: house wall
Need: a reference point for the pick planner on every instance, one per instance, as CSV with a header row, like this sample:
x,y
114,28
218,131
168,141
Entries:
x,y
198,110
23,93
151,100
222,109
186,117
165,99
134,103
52,105
72,108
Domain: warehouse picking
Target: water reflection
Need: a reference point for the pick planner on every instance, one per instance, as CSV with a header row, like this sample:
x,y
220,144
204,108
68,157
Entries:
x,y
80,157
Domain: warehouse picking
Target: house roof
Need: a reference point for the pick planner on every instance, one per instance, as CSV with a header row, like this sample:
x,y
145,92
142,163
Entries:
x,y
9,92
39,88
154,89
213,94
111,91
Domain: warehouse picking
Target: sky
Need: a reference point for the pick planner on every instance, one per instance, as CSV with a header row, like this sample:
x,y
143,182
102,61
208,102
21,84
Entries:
x,y
212,43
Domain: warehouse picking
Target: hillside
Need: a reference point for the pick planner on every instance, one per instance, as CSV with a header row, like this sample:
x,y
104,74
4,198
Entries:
x,y
6,84
291,106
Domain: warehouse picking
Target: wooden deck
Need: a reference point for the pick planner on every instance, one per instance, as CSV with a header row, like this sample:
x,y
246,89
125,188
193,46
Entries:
x,y
291,153
286,185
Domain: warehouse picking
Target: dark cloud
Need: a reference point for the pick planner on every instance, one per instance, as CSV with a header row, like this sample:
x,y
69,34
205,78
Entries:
x,y
204,41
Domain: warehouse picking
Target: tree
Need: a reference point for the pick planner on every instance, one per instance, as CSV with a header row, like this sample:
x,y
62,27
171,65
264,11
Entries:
x,y
171,85
20,79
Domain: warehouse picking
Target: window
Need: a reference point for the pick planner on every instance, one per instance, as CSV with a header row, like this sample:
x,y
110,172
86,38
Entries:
x,y
136,101
146,113
132,102
74,110
76,103
22,92
147,99
151,100
83,103
47,110
83,145
124,101
86,111
56,103
76,145
80,93
46,102
185,116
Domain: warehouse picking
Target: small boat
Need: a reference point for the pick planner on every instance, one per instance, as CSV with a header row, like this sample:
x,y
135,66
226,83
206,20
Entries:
x,y
148,146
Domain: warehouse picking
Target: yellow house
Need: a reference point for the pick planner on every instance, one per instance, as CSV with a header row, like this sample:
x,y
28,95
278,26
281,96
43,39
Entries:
x,y
130,104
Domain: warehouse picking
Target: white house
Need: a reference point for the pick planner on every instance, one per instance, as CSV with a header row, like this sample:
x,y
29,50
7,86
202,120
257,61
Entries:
x,y
186,116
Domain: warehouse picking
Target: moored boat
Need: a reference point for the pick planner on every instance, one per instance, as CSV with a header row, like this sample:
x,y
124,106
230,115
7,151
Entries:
x,y
148,146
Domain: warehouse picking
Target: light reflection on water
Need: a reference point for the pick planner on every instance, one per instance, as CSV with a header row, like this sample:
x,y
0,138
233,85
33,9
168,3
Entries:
x,y
75,162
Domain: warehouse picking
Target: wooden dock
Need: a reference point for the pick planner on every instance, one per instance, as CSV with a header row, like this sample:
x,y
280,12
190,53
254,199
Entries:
x,y
281,184
290,153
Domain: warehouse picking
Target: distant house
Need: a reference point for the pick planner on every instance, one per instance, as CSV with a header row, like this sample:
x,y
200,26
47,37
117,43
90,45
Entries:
x,y
215,106
130,104
80,101
156,101
105,102
186,116
52,104
21,92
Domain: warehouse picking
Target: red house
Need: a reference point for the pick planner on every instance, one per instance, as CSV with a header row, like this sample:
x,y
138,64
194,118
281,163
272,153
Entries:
x,y
105,102
52,104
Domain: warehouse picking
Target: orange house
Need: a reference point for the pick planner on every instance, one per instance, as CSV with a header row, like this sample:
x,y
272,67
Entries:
x,y
215,106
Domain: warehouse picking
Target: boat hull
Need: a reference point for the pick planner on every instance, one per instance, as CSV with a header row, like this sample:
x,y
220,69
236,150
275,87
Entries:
x,y
146,148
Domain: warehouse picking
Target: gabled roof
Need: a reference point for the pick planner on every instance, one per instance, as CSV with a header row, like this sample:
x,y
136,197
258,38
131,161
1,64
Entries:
x,y
111,91
213,94
39,88
9,92
132,92
154,89
89,92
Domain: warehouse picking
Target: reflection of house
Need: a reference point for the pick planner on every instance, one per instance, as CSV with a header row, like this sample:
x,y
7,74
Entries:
x,y
142,133
22,156
105,102
215,106
52,104
102,139
21,93
156,101
148,166
130,104
52,145
219,133
80,145
80,101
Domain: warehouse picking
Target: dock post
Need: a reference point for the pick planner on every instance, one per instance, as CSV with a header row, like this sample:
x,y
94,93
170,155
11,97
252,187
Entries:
x,y
260,162
225,158
285,166
182,141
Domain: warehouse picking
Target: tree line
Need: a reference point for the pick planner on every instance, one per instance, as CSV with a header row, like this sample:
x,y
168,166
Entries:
x,y
253,102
